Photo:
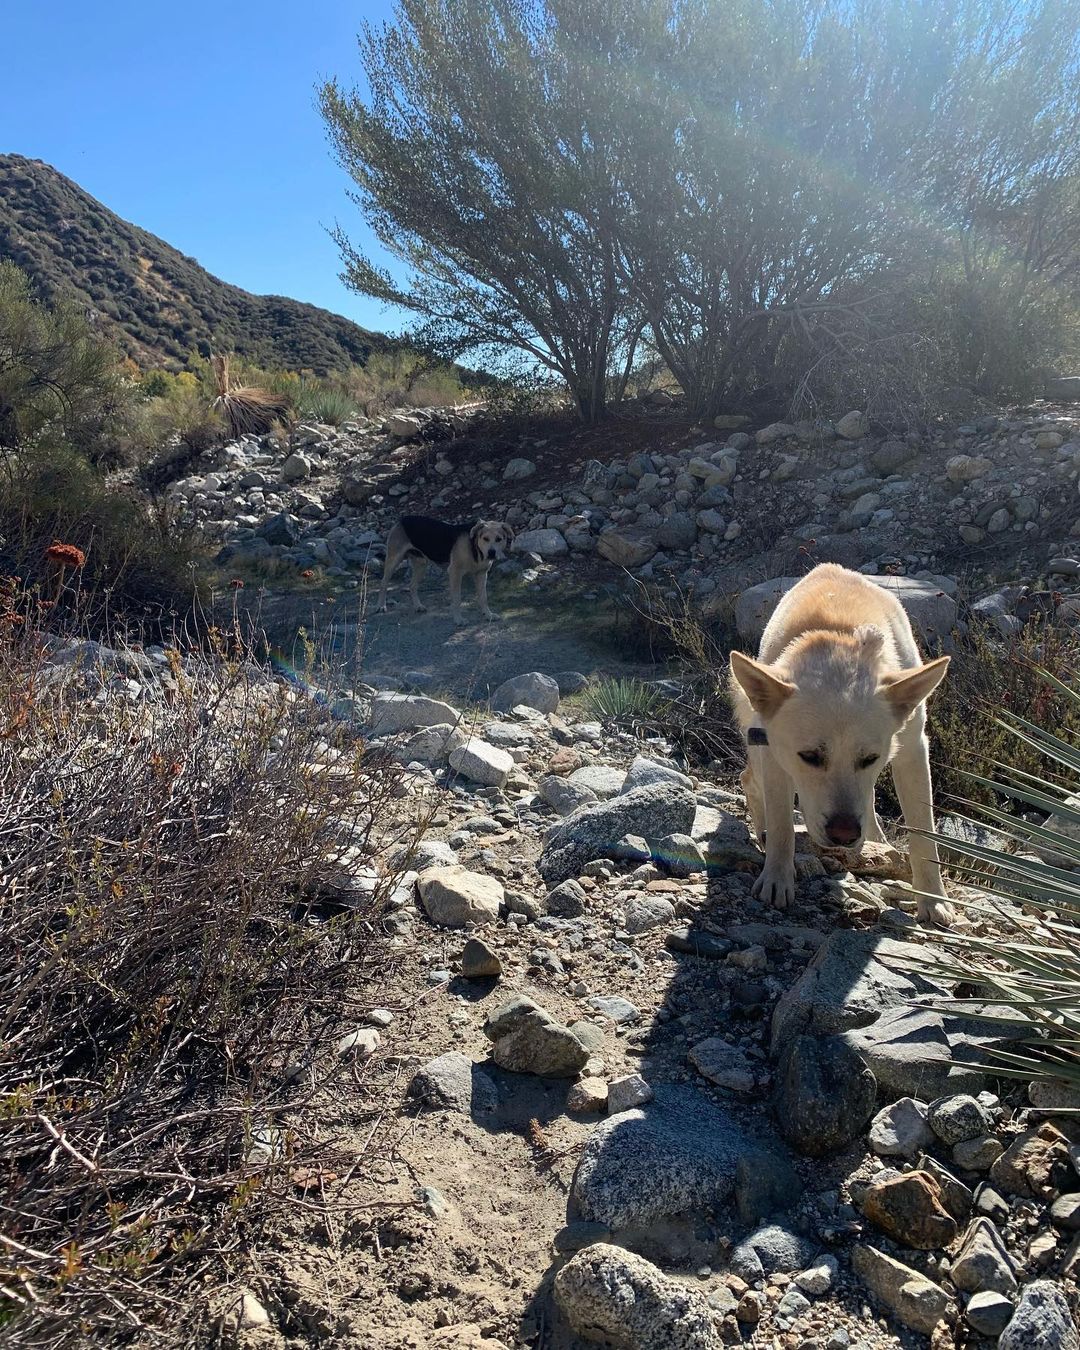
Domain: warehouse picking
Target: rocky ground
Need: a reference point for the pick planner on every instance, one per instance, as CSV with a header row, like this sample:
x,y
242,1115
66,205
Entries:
x,y
689,511
636,1108
628,1104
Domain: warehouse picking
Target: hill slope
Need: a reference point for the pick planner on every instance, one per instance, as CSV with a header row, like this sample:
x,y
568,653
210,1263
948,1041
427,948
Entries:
x,y
154,302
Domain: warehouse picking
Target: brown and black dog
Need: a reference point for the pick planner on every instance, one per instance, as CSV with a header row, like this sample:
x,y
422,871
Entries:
x,y
464,550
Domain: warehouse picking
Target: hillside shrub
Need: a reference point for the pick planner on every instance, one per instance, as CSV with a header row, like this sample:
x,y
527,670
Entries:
x,y
56,373
141,563
175,955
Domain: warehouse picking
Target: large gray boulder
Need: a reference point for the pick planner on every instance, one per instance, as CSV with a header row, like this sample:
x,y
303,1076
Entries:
x,y
544,543
921,1051
391,713
1042,1321
931,611
854,978
673,1159
652,812
532,690
613,1297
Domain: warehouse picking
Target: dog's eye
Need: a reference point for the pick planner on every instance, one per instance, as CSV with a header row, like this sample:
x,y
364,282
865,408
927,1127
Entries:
x,y
814,758
866,761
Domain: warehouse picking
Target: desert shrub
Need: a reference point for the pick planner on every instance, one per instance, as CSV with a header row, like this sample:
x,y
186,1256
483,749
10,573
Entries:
x,y
246,409
990,676
624,703
748,184
141,562
325,403
403,379
56,373
1029,960
176,948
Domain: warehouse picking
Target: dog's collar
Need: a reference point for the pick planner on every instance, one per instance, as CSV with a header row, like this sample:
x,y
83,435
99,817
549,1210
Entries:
x,y
757,736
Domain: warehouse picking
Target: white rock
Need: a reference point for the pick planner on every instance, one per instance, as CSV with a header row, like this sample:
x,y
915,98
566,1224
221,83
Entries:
x,y
852,426
544,543
391,713
454,896
483,763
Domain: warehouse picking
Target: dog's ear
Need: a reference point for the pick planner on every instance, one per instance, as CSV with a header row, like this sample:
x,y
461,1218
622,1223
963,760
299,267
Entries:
x,y
763,687
474,532
906,689
509,533
870,640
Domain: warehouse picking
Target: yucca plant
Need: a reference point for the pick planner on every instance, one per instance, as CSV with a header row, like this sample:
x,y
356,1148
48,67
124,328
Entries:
x,y
325,403
246,409
1030,900
623,701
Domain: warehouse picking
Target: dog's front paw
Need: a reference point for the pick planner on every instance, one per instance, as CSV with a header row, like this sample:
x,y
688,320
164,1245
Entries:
x,y
776,885
935,913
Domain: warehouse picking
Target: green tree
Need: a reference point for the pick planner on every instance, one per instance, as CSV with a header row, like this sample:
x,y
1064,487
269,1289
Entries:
x,y
55,371
477,168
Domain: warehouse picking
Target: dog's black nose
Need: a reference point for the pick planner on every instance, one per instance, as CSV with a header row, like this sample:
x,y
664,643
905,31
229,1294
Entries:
x,y
491,553
842,829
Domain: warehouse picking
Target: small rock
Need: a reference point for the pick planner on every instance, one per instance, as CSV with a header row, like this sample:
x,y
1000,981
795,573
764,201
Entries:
x,y
723,1064
818,1278
1065,1212
852,426
586,1096
482,763
983,1262
978,1155
454,896
360,1044
901,1130
527,1039
620,1010
455,1082
696,942
958,1118
644,913
680,855
624,1094
1035,1164
824,1094
955,1196
516,469
479,962
612,1295
908,1208
566,901
772,1248
917,1302
532,690
988,1313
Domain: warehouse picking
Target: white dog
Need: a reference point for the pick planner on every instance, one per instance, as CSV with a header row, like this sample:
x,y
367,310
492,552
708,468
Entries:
x,y
837,692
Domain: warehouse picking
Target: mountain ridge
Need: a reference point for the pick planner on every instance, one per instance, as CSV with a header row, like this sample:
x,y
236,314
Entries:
x,y
156,303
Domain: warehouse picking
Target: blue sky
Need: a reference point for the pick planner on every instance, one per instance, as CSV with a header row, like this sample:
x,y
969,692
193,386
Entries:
x,y
198,123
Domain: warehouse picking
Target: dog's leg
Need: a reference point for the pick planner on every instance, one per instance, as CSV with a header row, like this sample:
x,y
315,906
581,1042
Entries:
x,y
419,567
481,594
777,881
911,774
391,563
872,830
754,803
454,578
